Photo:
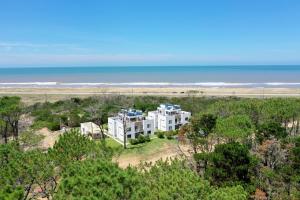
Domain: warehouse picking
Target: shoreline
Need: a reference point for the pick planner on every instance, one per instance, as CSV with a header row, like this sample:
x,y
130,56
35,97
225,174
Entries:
x,y
32,95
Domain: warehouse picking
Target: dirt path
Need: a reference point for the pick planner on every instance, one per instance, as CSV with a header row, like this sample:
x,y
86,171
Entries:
x,y
49,137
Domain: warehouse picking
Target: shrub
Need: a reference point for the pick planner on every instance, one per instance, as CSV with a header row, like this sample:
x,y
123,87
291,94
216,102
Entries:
x,y
147,138
133,141
53,126
170,134
141,139
160,135
169,137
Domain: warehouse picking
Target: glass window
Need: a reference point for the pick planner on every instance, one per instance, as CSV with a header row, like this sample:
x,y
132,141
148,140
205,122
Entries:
x,y
148,125
170,128
170,121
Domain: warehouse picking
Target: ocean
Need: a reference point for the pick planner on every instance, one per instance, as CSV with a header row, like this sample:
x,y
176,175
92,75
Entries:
x,y
153,76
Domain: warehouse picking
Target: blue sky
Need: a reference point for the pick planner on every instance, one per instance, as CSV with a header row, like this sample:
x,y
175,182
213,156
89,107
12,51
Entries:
x,y
149,32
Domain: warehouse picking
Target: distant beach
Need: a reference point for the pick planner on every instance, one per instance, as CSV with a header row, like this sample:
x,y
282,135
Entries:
x,y
52,84
51,94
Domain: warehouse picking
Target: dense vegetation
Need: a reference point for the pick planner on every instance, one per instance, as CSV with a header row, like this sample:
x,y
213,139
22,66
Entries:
x,y
241,149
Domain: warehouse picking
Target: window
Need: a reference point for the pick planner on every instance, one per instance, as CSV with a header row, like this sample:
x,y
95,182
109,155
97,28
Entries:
x,y
149,132
148,125
170,128
128,129
135,127
129,136
186,119
170,121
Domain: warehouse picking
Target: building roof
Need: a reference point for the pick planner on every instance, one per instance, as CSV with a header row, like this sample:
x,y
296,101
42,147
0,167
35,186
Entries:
x,y
169,106
132,112
90,125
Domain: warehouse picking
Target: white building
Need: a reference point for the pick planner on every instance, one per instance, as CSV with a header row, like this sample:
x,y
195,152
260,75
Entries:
x,y
90,129
169,117
135,124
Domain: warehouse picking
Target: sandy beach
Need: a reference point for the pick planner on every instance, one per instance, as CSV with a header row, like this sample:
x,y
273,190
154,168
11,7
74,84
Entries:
x,y
40,94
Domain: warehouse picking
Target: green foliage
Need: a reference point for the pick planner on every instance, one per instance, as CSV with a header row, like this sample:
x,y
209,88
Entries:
x,y
10,112
7,192
141,139
71,146
207,123
30,139
20,169
173,180
234,127
270,129
229,193
97,179
295,157
229,164
160,134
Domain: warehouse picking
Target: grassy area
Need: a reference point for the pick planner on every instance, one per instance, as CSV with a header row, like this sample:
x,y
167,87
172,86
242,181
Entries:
x,y
144,150
148,148
112,143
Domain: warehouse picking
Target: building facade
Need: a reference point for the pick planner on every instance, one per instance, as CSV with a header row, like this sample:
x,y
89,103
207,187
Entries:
x,y
132,123
90,129
169,117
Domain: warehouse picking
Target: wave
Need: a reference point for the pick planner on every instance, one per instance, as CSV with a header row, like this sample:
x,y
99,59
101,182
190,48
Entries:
x,y
153,84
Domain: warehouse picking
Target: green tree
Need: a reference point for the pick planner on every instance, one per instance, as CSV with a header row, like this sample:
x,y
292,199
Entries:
x,y
229,164
229,193
71,146
21,172
207,123
171,180
97,179
270,129
10,112
234,127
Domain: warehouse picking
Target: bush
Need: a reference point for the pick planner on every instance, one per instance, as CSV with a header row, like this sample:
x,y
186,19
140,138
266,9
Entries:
x,y
169,137
53,126
160,135
147,138
141,139
170,134
133,141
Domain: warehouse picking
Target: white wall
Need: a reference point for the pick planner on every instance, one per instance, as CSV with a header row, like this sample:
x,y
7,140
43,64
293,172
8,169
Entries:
x,y
185,115
153,115
166,123
115,128
148,126
112,127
